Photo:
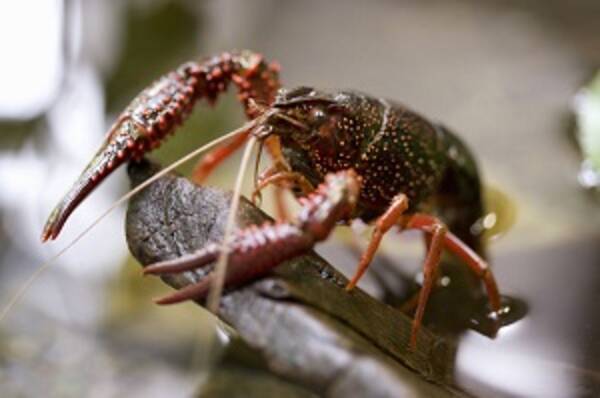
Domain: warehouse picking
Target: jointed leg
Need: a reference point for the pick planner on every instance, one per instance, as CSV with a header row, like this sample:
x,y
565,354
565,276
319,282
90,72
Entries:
x,y
257,82
383,224
281,209
274,148
433,225
427,240
279,172
278,177
477,265
410,304
465,253
432,260
212,159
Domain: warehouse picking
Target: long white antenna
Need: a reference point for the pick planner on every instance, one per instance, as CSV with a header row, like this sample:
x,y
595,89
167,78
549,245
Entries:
x,y
214,296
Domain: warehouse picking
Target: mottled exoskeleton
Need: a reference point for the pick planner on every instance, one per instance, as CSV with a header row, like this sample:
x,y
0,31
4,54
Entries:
x,y
346,155
392,148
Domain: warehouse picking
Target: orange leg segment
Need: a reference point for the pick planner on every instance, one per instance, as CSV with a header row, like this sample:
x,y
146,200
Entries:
x,y
432,261
441,237
274,148
212,159
282,177
281,208
383,224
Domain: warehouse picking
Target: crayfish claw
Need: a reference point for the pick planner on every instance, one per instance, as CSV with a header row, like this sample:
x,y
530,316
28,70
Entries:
x,y
196,291
256,250
52,225
185,263
159,109
122,143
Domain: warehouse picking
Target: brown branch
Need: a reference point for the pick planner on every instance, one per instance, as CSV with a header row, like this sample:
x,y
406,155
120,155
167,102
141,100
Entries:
x,y
300,319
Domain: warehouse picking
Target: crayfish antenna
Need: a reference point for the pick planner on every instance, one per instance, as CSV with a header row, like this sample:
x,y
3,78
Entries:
x,y
214,296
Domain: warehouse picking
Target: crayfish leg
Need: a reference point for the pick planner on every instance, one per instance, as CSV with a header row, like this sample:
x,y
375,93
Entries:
x,y
382,226
281,177
214,158
432,261
274,148
211,160
441,237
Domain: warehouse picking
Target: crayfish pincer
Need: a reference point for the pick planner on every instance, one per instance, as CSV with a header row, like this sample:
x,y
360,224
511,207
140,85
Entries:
x,y
346,155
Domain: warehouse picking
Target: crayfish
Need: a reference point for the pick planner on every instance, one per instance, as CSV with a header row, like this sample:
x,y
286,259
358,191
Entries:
x,y
345,155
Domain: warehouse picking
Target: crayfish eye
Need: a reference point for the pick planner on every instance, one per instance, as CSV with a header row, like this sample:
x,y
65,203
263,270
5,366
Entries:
x,y
316,116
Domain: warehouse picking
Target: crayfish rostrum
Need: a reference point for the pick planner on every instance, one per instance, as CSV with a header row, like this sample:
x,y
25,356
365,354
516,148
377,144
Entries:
x,y
345,154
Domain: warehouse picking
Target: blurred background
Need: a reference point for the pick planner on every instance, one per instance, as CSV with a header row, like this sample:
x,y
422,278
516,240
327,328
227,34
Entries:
x,y
501,73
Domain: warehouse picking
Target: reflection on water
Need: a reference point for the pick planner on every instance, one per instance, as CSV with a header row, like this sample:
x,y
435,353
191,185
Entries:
x,y
505,93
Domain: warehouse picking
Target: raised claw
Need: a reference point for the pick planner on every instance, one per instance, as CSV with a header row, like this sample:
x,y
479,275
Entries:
x,y
256,250
125,140
156,112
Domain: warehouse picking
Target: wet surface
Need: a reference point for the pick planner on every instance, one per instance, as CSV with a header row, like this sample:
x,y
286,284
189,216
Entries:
x,y
500,74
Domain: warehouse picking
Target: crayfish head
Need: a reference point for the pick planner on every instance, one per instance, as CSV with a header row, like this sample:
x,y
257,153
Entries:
x,y
308,117
125,140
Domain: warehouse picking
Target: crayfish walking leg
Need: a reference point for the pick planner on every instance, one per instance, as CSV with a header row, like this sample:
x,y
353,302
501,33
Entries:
x,y
440,237
383,224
